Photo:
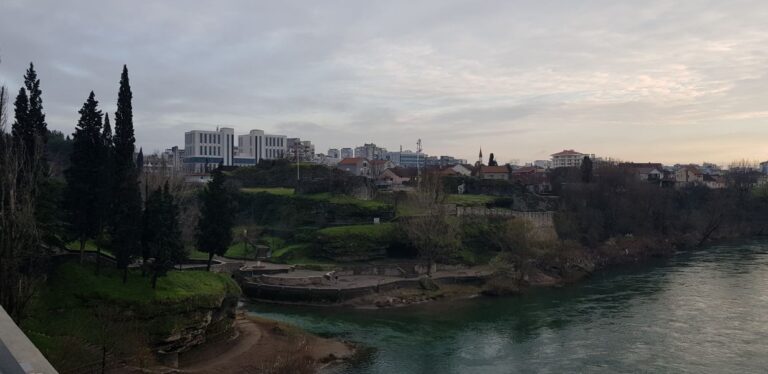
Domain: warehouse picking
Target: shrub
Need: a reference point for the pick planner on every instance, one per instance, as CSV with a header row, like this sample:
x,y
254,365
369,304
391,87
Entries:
x,y
356,243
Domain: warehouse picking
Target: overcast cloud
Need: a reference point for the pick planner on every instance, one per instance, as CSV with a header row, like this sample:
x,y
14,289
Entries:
x,y
670,81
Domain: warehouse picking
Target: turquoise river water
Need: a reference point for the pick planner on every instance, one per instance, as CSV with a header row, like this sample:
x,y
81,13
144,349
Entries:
x,y
698,312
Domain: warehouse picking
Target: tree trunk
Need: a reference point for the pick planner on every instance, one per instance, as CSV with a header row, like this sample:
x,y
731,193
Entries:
x,y
154,280
210,259
98,259
103,359
82,250
125,274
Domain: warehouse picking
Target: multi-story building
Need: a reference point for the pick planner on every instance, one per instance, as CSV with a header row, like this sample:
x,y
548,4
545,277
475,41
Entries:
x,y
569,158
371,152
174,157
304,148
204,148
257,146
407,159
333,153
544,164
346,153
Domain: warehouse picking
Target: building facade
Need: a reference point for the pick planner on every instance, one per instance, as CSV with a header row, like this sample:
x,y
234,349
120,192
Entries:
x,y
205,148
371,152
346,153
304,148
569,158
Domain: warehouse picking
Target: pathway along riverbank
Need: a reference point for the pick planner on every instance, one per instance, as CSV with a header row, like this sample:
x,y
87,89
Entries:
x,y
387,285
701,311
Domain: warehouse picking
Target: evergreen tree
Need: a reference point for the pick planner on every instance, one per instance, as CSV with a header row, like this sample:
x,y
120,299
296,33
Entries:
x,y
163,233
23,133
105,188
217,216
140,162
36,115
83,175
492,161
586,169
126,224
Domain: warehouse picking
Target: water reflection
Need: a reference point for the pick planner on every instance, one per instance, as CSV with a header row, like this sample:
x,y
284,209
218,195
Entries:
x,y
698,312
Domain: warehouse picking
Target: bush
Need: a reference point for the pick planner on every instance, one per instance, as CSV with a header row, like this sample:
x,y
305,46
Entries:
x,y
356,243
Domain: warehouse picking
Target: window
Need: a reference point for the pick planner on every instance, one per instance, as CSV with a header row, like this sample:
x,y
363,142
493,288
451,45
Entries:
x,y
201,149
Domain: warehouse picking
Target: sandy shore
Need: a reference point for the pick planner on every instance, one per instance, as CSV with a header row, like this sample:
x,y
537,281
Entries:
x,y
266,346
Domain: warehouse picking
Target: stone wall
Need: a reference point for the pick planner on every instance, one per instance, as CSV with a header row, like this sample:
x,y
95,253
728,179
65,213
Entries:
x,y
336,295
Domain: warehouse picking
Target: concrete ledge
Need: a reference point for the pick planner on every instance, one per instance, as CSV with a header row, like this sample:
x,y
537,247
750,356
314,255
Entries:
x,y
17,353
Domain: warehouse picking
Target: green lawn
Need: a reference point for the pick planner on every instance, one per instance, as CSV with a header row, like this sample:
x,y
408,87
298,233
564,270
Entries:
x,y
469,200
346,199
68,317
90,246
300,254
283,191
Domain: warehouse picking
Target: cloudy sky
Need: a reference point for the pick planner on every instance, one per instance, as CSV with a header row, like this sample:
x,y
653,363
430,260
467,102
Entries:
x,y
670,81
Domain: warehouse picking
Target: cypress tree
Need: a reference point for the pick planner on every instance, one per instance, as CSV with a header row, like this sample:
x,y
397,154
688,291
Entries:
x,y
83,175
162,232
36,115
586,169
23,133
140,162
105,188
492,161
126,225
214,229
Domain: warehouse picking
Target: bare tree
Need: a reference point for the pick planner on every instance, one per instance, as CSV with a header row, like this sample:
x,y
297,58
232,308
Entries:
x,y
20,245
435,233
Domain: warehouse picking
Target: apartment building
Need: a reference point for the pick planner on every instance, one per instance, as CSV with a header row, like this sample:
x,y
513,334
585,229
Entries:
x,y
569,158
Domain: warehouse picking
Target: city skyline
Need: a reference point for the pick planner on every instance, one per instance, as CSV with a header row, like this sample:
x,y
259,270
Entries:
x,y
671,83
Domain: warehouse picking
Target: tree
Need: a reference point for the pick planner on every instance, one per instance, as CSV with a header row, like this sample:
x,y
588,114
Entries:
x,y
126,221
492,161
140,162
21,257
162,232
217,208
84,175
36,116
105,188
434,234
586,169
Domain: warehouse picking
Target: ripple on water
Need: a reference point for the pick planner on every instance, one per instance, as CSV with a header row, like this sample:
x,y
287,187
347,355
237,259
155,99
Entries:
x,y
700,312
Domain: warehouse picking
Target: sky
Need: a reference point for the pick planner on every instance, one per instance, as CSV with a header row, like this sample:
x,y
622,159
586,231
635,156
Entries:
x,y
653,80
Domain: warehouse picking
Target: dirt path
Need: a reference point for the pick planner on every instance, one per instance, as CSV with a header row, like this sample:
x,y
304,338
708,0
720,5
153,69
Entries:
x,y
264,344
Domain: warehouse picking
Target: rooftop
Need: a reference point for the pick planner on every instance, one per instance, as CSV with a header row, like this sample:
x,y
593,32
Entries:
x,y
567,152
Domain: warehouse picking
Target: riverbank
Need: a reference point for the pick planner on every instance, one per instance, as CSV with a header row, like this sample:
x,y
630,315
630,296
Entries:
x,y
378,286
698,311
263,345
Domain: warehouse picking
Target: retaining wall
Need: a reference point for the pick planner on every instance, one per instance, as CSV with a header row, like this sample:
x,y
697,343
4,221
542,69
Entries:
x,y
258,290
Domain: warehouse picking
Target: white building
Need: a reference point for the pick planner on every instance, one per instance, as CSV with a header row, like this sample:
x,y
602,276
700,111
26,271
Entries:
x,y
203,148
346,153
257,146
333,153
569,158
544,164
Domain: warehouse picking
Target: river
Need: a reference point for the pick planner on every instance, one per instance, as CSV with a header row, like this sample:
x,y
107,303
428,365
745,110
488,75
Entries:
x,y
698,312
